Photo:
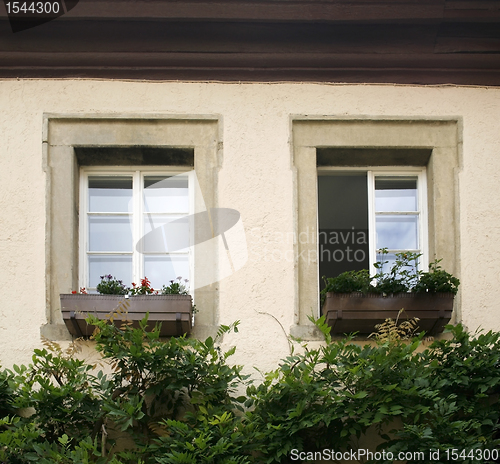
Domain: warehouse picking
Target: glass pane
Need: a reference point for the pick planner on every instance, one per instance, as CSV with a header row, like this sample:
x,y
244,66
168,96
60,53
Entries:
x,y
343,224
160,270
165,233
397,232
110,233
164,194
396,194
110,194
390,258
118,266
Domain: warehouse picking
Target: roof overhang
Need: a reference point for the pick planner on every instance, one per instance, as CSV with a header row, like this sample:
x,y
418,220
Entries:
x,y
356,41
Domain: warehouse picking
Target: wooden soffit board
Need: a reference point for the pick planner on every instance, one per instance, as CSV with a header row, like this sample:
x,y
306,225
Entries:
x,y
399,41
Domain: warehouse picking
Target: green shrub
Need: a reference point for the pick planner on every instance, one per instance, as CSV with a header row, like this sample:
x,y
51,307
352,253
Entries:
x,y
63,392
446,396
464,379
205,438
156,380
176,400
7,393
152,381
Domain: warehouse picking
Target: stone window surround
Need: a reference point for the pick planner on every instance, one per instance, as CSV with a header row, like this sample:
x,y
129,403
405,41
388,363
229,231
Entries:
x,y
441,135
61,133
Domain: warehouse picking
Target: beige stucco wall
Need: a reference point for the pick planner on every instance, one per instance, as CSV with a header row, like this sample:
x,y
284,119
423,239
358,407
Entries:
x,y
256,178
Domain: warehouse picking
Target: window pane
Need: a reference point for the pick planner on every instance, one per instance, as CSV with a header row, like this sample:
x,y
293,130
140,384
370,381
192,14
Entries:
x,y
110,194
397,232
396,194
343,223
160,270
108,233
118,266
390,258
165,233
164,194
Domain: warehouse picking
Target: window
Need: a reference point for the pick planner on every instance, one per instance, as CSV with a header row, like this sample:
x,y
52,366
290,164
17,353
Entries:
x,y
362,211
124,228
118,145
387,145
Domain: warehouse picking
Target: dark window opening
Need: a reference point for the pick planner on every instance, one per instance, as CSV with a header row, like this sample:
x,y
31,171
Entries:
x,y
134,156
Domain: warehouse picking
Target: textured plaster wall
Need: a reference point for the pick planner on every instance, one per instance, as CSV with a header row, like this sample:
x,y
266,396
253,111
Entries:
x,y
256,178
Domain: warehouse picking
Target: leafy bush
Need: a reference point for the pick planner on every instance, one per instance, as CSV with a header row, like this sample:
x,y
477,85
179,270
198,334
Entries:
x,y
204,438
446,396
77,413
20,443
464,378
62,391
176,400
7,393
154,380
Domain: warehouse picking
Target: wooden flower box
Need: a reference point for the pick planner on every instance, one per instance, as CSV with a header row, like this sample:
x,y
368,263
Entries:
x,y
174,312
357,312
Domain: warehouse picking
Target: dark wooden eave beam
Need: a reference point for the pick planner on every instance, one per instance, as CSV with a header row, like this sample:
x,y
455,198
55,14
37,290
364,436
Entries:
x,y
261,10
286,10
393,41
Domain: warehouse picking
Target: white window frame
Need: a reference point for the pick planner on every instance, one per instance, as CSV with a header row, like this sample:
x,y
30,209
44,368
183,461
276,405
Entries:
x,y
137,173
372,172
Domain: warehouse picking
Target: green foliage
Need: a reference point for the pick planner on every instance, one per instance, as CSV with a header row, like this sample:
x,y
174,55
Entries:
x,y
65,399
297,407
61,390
76,412
176,287
401,278
446,396
437,280
392,331
465,376
7,393
17,440
22,445
154,380
110,285
349,282
143,289
204,438
176,400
